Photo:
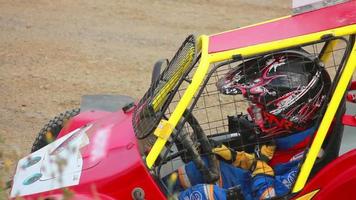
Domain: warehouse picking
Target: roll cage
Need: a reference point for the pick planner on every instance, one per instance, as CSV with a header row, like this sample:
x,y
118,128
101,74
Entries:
x,y
215,51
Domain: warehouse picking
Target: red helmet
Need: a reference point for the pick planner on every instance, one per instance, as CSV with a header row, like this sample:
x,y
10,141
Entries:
x,y
286,90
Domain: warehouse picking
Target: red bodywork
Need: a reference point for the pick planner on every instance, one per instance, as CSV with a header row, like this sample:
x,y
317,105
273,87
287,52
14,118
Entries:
x,y
350,120
337,180
121,169
118,171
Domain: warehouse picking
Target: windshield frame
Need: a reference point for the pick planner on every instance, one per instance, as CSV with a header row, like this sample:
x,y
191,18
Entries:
x,y
152,106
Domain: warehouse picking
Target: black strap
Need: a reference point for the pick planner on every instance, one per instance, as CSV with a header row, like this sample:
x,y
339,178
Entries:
x,y
234,193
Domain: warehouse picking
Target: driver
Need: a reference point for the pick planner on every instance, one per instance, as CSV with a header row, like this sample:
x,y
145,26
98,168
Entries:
x,y
286,91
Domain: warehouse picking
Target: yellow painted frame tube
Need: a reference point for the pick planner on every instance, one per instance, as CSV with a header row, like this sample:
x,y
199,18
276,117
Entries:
x,y
207,59
188,95
328,51
326,121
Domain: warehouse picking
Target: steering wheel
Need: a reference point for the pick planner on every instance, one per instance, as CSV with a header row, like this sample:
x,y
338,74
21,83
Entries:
x,y
209,169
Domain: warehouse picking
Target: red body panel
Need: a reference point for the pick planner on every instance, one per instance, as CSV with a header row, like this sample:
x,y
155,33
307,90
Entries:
x,y
349,120
337,180
82,119
315,21
119,170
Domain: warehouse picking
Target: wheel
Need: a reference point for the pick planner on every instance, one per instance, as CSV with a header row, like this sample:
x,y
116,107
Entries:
x,y
51,130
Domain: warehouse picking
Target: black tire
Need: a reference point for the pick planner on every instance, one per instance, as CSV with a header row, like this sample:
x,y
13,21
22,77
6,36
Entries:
x,y
51,130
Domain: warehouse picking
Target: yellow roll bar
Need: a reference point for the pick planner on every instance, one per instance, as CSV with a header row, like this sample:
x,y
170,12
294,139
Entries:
x,y
326,121
165,128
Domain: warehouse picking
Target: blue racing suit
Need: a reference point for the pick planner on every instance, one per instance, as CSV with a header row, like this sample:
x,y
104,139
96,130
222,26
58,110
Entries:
x,y
255,183
257,187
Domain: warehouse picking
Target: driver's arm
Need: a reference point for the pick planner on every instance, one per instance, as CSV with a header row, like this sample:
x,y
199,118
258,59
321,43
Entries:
x,y
262,173
249,161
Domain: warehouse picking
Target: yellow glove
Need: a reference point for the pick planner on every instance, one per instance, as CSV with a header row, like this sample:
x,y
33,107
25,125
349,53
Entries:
x,y
224,152
237,158
248,161
262,167
267,152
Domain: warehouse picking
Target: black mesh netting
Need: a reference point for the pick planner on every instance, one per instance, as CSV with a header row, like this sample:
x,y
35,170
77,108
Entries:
x,y
222,113
151,107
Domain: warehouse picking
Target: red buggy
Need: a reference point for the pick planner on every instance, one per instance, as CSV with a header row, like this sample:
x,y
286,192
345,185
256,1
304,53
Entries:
x,y
115,148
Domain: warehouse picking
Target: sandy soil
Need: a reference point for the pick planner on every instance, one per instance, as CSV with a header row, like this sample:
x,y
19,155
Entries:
x,y
53,52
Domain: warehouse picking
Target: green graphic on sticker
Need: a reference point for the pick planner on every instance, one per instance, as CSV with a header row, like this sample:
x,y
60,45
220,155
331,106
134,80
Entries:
x,y
33,178
31,161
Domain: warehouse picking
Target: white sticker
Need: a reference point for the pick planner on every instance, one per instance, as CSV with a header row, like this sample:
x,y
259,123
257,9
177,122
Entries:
x,y
300,3
301,6
56,165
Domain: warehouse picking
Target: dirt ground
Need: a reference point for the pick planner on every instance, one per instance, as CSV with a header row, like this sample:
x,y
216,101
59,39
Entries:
x,y
53,52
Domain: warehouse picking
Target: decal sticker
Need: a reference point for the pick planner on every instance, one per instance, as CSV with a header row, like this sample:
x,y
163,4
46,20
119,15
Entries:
x,y
56,165
196,195
281,123
290,179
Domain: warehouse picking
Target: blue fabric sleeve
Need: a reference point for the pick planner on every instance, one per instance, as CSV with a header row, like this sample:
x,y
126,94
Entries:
x,y
285,167
265,187
288,178
291,140
230,176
